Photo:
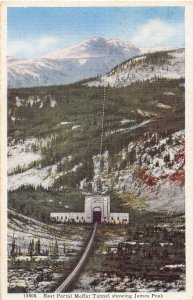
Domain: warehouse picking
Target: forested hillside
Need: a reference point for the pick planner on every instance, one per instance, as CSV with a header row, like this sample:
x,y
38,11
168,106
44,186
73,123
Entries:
x,y
54,140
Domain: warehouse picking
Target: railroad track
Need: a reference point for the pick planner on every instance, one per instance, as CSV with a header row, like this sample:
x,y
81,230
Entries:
x,y
69,280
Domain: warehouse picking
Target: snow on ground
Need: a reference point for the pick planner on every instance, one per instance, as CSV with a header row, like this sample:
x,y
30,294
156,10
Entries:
x,y
44,177
75,127
35,177
84,60
105,283
76,167
29,281
125,121
24,165
19,102
31,101
64,123
173,150
159,182
115,241
174,266
22,155
132,127
22,159
53,103
25,229
141,69
167,196
145,114
161,105
38,275
169,93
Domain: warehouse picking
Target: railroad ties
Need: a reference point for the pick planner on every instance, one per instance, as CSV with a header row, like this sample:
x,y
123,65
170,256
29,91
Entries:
x,y
70,279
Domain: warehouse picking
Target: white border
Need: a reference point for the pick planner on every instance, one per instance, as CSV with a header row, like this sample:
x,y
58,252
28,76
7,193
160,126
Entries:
x,y
188,295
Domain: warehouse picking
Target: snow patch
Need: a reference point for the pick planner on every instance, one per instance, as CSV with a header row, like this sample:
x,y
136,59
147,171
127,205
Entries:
x,y
161,105
53,103
75,127
64,123
21,155
125,121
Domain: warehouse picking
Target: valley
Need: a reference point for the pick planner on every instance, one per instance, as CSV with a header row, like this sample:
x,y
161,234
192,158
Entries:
x,y
54,161
143,148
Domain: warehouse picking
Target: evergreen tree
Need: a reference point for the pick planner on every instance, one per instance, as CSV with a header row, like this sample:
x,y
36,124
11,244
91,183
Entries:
x,y
38,247
157,163
167,158
19,250
13,248
64,248
31,248
55,250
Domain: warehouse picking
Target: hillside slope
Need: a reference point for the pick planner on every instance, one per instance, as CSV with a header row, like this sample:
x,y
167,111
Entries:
x,y
164,64
90,58
56,132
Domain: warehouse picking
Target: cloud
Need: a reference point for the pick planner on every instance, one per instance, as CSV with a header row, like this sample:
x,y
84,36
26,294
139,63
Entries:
x,y
153,33
158,33
32,47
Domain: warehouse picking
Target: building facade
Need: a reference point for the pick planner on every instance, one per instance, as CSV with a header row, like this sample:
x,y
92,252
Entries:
x,y
96,209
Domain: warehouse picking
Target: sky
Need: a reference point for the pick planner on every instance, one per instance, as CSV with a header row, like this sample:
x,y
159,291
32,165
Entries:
x,y
35,31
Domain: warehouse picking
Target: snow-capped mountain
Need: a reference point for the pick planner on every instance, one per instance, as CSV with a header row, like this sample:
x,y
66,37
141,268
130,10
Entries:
x,y
162,64
93,57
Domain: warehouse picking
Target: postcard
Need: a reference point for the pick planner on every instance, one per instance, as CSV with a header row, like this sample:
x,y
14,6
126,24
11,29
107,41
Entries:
x,y
96,152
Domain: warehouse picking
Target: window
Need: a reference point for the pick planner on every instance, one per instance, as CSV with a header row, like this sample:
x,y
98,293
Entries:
x,y
118,218
77,218
111,218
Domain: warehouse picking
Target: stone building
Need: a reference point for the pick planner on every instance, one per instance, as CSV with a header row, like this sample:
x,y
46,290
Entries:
x,y
96,209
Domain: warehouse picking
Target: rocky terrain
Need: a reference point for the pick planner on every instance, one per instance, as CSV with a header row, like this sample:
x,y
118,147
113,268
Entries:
x,y
152,169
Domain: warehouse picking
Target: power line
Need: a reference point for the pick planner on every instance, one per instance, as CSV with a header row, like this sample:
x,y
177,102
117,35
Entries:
x,y
102,118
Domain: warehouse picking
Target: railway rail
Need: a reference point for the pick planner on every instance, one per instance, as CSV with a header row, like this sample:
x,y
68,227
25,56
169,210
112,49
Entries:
x,y
70,279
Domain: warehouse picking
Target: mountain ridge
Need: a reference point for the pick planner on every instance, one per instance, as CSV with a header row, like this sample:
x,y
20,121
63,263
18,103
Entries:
x,y
161,64
68,65
90,58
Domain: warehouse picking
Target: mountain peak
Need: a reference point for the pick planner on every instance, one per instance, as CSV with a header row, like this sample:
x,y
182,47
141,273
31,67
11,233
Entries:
x,y
94,47
96,39
86,59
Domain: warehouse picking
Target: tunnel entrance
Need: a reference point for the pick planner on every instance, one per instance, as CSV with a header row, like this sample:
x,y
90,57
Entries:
x,y
97,215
